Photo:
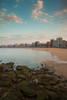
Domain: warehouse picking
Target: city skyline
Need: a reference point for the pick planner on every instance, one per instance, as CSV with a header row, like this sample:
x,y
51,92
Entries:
x,y
26,21
59,42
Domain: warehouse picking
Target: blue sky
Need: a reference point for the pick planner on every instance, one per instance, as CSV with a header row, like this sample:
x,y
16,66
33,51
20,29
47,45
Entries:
x,y
26,21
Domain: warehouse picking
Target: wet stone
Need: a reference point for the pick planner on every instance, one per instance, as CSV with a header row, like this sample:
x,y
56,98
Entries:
x,y
26,84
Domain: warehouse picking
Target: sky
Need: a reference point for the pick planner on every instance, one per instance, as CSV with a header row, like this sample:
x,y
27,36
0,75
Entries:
x,y
27,21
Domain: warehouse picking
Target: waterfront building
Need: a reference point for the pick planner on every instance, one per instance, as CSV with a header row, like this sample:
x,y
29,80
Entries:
x,y
48,44
64,43
53,43
59,42
33,44
37,44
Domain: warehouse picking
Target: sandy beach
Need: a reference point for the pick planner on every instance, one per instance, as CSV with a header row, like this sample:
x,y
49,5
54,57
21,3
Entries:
x,y
60,53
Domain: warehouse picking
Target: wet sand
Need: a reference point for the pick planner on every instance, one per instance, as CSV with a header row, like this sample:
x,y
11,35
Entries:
x,y
60,53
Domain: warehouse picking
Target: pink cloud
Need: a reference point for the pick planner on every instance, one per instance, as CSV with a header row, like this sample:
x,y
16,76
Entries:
x,y
13,18
60,12
37,12
1,20
2,25
43,20
10,17
4,9
2,14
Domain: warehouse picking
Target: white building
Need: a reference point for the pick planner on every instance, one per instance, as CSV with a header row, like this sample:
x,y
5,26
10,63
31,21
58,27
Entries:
x,y
57,43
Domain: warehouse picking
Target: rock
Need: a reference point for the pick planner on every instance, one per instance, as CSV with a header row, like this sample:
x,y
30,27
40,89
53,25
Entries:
x,y
10,64
21,76
23,69
35,80
53,96
0,60
26,84
53,82
19,67
5,80
26,90
0,89
42,96
14,95
14,80
7,66
1,68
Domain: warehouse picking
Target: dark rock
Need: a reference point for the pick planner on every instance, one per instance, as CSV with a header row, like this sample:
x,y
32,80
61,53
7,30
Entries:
x,y
20,84
19,67
14,95
0,60
1,68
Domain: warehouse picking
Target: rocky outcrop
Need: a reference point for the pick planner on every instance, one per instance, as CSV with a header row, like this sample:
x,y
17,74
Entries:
x,y
27,84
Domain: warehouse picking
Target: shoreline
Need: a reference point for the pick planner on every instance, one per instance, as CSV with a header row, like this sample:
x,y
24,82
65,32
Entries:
x,y
60,53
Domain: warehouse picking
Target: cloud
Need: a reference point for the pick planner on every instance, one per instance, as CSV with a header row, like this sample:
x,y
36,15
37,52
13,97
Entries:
x,y
37,12
19,0
13,18
1,20
63,33
42,20
60,12
2,25
4,39
29,38
24,38
15,6
62,9
9,17
4,9
2,14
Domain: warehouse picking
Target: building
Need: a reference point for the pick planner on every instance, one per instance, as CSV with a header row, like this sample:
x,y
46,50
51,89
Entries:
x,y
37,44
33,44
64,44
52,42
48,44
59,42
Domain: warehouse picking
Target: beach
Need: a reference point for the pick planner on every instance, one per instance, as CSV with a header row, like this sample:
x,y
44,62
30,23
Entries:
x,y
60,53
